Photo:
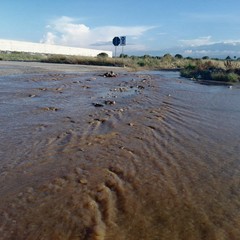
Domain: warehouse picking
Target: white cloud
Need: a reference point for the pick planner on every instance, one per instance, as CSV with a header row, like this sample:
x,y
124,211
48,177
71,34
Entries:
x,y
67,31
49,38
213,17
207,41
220,49
233,42
197,41
188,51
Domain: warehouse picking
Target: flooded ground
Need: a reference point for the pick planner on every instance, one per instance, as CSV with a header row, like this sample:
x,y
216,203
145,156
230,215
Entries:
x,y
141,156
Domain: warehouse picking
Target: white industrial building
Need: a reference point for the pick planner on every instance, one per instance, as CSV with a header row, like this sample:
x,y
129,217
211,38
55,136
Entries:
x,y
19,46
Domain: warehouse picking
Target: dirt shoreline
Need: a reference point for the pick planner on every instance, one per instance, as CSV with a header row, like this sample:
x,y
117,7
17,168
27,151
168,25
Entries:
x,y
14,68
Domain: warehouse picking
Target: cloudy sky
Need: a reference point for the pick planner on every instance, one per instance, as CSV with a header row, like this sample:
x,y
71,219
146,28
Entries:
x,y
206,27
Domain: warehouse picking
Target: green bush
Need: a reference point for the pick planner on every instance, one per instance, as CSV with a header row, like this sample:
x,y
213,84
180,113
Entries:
x,y
167,57
225,77
205,74
141,63
103,55
209,70
179,56
189,71
233,77
56,58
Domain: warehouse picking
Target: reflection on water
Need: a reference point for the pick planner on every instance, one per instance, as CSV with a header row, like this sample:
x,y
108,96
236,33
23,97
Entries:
x,y
160,163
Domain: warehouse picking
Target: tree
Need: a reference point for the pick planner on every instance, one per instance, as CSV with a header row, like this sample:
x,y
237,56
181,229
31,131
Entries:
x,y
123,55
146,56
179,56
103,55
205,57
167,57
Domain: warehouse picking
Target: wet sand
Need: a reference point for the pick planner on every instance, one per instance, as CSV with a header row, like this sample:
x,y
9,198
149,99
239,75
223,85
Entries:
x,y
140,156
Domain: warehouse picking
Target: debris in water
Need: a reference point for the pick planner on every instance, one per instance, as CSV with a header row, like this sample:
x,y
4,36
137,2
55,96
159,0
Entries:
x,y
110,74
109,102
97,105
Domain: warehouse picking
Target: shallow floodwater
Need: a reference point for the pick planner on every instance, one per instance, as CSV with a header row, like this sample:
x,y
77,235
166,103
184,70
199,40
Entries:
x,y
141,156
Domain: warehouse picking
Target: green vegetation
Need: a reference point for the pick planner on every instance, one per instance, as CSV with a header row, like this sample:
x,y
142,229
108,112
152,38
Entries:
x,y
100,60
227,70
132,62
213,70
102,55
21,56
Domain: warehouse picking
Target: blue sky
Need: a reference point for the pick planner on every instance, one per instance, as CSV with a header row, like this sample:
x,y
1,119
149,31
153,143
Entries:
x,y
153,26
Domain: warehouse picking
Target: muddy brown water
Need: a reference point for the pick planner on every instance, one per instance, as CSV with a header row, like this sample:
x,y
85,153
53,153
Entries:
x,y
157,158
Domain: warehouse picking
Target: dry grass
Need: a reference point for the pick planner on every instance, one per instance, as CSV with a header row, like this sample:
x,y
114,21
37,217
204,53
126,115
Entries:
x,y
167,62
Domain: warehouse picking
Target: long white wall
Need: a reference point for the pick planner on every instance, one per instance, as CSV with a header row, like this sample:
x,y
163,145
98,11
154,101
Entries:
x,y
10,45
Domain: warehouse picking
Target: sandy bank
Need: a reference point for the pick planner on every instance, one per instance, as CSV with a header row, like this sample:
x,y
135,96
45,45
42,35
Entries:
x,y
15,68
